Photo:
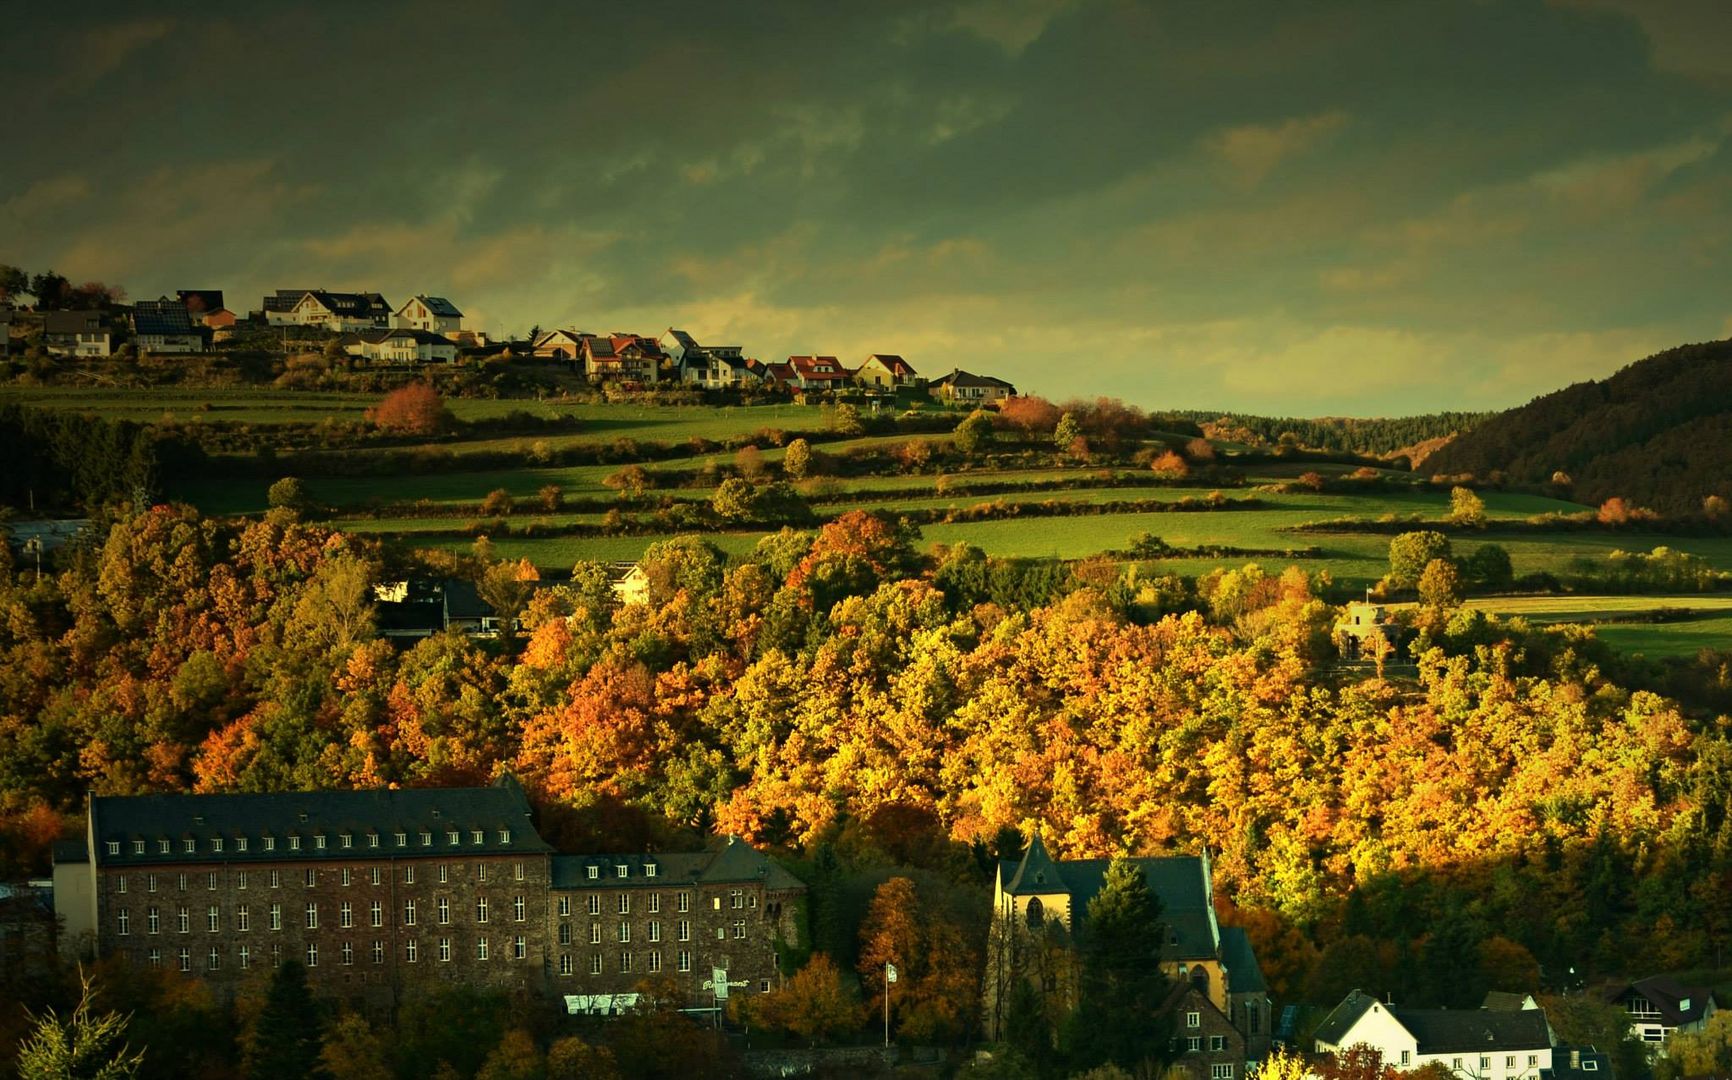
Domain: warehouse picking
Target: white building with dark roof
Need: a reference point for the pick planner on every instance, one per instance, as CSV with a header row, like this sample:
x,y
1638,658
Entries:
x,y
1474,1044
434,313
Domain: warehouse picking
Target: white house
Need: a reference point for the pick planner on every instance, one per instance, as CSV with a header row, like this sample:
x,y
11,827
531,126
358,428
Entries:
x,y
1659,1006
342,312
1474,1044
76,333
165,326
400,346
433,313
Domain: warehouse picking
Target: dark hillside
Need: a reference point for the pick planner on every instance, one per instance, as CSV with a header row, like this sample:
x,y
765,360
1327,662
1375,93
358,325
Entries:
x,y
1658,433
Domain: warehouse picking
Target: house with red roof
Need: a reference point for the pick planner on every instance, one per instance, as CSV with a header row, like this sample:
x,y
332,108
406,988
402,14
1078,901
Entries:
x,y
818,372
620,357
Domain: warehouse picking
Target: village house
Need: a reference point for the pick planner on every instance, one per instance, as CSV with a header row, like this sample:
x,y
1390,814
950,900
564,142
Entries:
x,y
818,372
433,313
165,326
619,357
970,389
1474,1044
400,346
1660,1005
76,333
277,307
558,344
378,892
779,376
630,583
205,307
1041,907
340,312
886,370
713,367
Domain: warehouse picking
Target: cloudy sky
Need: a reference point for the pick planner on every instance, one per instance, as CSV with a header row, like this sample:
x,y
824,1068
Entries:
x,y
1299,208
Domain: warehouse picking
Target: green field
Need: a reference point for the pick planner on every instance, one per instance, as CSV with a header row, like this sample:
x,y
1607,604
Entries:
x,y
1617,620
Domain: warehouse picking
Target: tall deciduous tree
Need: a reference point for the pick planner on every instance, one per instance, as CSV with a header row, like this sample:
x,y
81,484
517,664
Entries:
x,y
1411,552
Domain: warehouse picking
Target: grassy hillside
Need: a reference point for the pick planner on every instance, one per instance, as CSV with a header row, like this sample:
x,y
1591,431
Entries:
x,y
1655,434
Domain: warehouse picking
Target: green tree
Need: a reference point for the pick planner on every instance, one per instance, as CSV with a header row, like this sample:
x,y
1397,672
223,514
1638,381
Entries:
x,y
735,499
1466,508
1489,567
631,481
1411,552
797,460
81,1047
974,434
13,283
498,503
1066,432
287,494
287,1035
845,420
1121,983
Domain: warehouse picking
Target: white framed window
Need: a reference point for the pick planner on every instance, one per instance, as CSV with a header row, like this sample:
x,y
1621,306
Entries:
x,y
1193,1019
294,843
444,873
153,920
191,846
138,847
373,840
276,879
624,932
412,951
185,958
451,837
505,836
594,904
625,903
565,933
183,920
1407,1057
594,872
408,875
1218,1043
216,843
481,909
517,871
409,913
378,876
426,838
621,870
655,930
649,869
402,839
517,909
243,918
114,847
150,882
180,882
378,951
480,871
210,881
376,913
123,922
595,933
240,879
565,907
312,954
120,884
655,903
685,930
481,948
345,915
245,953
319,841
348,840
270,843
348,953
625,961
162,847
444,910
345,876
444,950
655,960
476,837
1221,1071
684,960
312,877
565,963
156,958
240,843
519,947
595,963
312,916
213,919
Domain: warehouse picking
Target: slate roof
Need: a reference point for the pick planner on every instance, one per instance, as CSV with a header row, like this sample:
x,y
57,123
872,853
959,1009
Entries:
x,y
1504,1001
72,322
1341,1019
959,377
1668,995
207,820
1244,975
685,340
1446,1031
438,305
201,301
379,337
1180,882
285,299
462,601
161,317
355,305
1464,1031
895,364
726,860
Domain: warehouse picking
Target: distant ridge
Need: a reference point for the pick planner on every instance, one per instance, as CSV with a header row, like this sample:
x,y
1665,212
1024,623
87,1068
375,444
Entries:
x,y
1657,434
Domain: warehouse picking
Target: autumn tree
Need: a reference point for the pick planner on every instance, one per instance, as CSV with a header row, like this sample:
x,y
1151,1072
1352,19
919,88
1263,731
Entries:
x,y
1466,508
498,503
797,460
735,499
415,409
1440,584
1489,567
1065,433
936,968
1033,415
814,1005
287,494
631,481
506,588
845,420
749,460
1170,466
550,497
354,1050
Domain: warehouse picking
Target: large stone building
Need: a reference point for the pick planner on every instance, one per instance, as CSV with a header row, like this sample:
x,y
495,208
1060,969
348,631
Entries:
x,y
376,891
1041,906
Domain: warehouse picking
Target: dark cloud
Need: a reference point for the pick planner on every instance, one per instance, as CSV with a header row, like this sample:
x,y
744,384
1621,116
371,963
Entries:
x,y
1192,204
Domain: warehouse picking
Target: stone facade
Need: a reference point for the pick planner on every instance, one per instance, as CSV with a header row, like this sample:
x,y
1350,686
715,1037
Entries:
x,y
379,891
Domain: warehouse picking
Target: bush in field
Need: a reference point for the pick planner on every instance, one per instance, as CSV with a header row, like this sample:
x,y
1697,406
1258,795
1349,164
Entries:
x,y
498,503
1200,450
1411,552
974,434
735,499
750,462
631,482
551,498
1466,508
845,420
416,409
287,494
797,460
1034,415
1170,466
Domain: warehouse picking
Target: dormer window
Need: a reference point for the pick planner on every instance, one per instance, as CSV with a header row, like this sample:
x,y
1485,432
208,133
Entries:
x,y
451,836
649,869
372,839
162,847
294,843
216,843
240,843
138,847
114,847
319,841
622,870
476,836
270,843
594,872
348,841
426,838
505,836
402,839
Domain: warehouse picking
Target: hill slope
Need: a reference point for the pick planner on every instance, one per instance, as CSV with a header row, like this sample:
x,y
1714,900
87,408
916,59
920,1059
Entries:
x,y
1658,433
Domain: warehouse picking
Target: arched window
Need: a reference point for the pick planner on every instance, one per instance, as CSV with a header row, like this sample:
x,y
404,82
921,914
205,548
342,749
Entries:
x,y
1036,913
1200,978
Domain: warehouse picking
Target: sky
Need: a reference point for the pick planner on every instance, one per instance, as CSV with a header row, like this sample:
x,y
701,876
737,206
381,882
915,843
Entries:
x,y
1320,208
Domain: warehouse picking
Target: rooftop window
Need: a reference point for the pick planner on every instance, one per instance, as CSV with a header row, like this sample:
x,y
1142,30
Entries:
x,y
191,845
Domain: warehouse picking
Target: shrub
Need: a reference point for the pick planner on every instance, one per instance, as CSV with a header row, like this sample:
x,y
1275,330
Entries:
x,y
498,503
287,494
416,409
1170,466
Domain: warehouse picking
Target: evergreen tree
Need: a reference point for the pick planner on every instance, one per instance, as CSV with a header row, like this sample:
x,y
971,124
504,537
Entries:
x,y
79,1047
288,1036
1121,983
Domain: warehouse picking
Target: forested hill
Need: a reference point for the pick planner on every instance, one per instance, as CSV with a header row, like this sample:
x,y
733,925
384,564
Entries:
x,y
1658,434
